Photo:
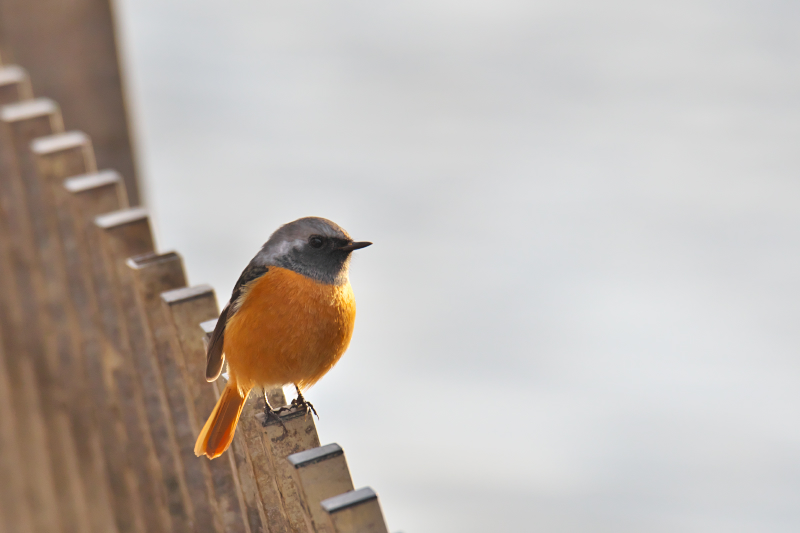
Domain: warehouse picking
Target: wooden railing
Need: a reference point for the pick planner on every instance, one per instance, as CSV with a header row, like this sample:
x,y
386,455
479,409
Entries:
x,y
102,365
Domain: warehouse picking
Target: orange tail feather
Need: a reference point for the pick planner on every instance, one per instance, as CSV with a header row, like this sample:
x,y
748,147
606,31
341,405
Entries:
x,y
217,433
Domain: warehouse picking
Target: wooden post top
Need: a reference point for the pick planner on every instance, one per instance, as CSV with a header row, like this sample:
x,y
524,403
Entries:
x,y
208,326
15,85
320,473
12,74
59,142
357,511
155,273
125,233
62,155
86,182
121,218
315,455
349,499
141,262
184,294
27,110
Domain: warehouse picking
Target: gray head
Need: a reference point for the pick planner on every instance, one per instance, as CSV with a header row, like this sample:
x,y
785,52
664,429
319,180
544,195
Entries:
x,y
312,246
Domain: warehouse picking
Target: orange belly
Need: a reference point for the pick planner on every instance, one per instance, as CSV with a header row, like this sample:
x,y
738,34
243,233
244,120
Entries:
x,y
289,329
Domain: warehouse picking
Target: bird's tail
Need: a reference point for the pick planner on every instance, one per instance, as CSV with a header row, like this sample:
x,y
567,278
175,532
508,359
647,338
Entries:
x,y
217,434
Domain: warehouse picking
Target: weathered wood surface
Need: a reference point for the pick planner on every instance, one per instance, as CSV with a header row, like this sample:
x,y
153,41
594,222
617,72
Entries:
x,y
84,198
152,275
14,501
14,511
39,429
21,122
319,474
358,511
15,84
5,55
58,157
119,235
297,433
70,50
237,499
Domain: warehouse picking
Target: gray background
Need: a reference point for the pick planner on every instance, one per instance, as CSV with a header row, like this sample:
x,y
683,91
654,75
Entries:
x,y
581,309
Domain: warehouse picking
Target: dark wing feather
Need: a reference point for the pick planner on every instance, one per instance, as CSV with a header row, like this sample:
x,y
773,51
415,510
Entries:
x,y
214,355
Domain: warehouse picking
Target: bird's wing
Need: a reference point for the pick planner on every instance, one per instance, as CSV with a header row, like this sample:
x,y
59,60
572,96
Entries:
x,y
214,355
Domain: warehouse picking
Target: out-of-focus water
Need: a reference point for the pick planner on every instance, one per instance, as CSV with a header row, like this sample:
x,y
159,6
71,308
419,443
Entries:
x,y
581,310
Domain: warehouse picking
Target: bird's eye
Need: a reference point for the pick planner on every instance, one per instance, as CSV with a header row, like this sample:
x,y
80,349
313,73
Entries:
x,y
316,242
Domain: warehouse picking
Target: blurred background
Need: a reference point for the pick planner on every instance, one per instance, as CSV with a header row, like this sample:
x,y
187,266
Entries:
x,y
581,310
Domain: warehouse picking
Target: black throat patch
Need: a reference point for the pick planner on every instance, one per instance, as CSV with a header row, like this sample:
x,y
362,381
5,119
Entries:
x,y
325,266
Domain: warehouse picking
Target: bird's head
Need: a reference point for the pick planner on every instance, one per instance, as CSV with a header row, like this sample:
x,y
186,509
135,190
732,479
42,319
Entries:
x,y
314,247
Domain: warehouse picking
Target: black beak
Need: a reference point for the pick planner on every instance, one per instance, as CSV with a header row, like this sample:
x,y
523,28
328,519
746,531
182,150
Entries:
x,y
354,246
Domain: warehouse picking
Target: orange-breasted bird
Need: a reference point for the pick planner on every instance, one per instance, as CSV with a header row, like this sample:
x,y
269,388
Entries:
x,y
289,320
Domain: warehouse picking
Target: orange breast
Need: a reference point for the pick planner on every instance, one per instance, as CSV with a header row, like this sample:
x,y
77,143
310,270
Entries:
x,y
289,329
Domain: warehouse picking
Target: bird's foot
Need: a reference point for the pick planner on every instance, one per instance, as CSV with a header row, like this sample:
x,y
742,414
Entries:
x,y
301,403
269,412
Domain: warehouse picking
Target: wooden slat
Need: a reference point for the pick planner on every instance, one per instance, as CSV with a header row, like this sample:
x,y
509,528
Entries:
x,y
14,86
250,431
152,275
41,430
56,374
8,469
21,123
14,512
58,157
358,511
297,433
237,500
86,197
319,474
120,235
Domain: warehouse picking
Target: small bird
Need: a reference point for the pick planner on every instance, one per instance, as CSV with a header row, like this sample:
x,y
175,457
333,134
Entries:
x,y
289,320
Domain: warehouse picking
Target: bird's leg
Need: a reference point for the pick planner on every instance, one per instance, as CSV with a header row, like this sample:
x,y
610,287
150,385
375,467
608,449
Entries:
x,y
269,412
301,402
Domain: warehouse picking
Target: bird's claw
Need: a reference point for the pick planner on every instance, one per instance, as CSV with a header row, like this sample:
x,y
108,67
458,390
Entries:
x,y
269,412
302,403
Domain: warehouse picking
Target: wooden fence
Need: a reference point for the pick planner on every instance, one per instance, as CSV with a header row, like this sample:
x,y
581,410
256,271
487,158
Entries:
x,y
102,365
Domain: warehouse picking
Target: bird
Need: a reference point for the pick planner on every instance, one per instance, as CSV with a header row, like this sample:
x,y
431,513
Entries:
x,y
289,320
